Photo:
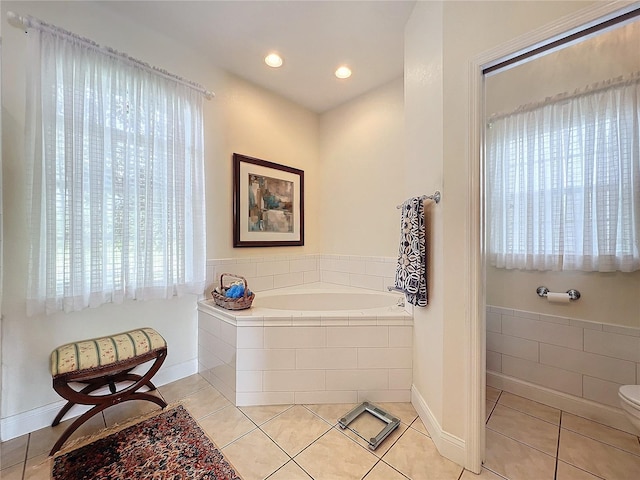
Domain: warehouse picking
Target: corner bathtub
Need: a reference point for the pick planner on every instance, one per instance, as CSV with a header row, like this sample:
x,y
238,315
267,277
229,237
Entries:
x,y
315,343
311,304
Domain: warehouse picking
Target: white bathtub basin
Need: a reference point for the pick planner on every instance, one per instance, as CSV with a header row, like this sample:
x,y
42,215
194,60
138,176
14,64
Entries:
x,y
325,301
315,302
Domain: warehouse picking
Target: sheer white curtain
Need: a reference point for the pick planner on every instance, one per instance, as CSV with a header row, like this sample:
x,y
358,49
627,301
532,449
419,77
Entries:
x,y
116,178
564,182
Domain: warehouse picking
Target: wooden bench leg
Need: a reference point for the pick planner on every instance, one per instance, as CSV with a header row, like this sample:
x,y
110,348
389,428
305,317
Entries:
x,y
64,410
101,402
97,409
132,377
97,384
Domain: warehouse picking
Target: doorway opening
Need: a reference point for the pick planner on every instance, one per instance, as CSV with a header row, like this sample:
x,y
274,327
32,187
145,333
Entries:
x,y
538,106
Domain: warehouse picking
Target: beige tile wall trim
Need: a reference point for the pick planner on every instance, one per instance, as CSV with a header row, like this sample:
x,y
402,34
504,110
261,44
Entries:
x,y
277,271
448,445
579,358
597,412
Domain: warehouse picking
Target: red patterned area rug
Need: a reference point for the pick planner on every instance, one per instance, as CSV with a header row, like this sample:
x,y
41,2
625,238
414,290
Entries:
x,y
169,445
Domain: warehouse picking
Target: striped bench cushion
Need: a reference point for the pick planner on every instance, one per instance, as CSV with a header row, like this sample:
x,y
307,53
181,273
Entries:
x,y
100,352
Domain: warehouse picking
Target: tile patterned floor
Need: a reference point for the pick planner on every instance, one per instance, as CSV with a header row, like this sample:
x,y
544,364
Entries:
x,y
525,440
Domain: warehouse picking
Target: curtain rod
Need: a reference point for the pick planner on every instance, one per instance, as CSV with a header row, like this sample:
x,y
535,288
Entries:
x,y
627,16
623,80
24,22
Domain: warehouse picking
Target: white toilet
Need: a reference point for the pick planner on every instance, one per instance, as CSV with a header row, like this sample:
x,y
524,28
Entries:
x,y
630,403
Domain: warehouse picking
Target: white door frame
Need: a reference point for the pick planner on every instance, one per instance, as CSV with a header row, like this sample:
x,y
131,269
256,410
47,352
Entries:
x,y
475,445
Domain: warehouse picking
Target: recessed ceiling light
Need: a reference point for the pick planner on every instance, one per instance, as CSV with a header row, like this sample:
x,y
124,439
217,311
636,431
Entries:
x,y
273,60
343,72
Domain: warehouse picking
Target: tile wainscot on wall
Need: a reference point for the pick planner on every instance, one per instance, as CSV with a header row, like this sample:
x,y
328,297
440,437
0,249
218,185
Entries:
x,y
584,359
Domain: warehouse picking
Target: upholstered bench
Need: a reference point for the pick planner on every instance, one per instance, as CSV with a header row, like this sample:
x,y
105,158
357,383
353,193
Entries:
x,y
102,362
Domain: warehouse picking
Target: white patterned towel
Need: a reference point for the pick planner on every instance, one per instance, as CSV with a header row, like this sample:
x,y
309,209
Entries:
x,y
411,270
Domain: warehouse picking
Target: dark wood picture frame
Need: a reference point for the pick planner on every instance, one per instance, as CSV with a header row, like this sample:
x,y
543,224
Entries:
x,y
268,203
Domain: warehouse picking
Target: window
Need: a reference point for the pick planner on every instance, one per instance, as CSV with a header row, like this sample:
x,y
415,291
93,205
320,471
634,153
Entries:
x,y
116,179
564,182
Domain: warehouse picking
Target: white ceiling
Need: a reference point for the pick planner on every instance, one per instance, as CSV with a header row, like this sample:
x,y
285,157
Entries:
x,y
313,37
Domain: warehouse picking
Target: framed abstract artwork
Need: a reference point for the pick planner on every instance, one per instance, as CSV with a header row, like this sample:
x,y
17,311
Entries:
x,y
268,203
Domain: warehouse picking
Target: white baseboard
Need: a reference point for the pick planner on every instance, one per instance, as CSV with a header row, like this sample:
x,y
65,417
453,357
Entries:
x,y
176,372
447,444
40,417
598,412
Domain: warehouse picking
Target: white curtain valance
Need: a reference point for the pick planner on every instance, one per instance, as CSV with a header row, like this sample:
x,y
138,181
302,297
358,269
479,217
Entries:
x,y
564,182
592,89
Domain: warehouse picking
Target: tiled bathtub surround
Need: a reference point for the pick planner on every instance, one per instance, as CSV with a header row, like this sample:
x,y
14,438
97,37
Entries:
x,y
266,273
328,358
314,357
374,273
584,359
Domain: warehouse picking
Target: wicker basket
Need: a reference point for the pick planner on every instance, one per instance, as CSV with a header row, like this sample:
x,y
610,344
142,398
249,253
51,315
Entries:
x,y
240,303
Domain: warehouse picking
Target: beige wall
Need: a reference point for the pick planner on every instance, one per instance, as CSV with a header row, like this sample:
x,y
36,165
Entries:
x,y
242,118
606,55
605,297
258,123
468,29
362,174
424,175
1,234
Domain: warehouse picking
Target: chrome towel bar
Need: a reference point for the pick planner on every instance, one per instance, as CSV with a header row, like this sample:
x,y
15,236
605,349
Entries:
x,y
435,197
